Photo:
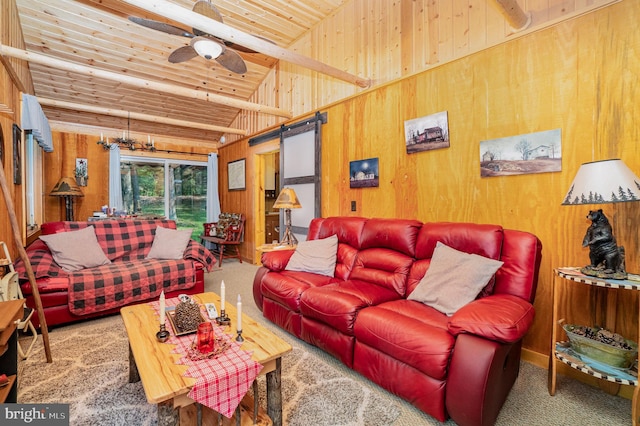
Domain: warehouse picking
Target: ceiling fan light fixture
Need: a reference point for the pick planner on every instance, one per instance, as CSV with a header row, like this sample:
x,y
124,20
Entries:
x,y
208,49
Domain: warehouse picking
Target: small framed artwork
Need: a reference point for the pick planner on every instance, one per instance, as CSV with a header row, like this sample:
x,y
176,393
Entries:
x,y
17,155
427,133
364,173
82,173
236,175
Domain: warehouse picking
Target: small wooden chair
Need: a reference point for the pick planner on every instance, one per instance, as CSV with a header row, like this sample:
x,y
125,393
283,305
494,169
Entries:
x,y
227,234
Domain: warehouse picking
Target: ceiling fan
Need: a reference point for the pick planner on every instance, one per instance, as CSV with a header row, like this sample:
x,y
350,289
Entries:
x,y
202,43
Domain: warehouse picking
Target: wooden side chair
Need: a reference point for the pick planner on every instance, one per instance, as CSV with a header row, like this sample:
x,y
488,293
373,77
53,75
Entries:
x,y
226,234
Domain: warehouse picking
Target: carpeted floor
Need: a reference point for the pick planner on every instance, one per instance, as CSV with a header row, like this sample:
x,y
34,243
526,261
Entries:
x,y
90,371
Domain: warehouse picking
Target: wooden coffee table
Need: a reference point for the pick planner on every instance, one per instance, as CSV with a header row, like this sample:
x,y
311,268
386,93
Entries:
x,y
162,377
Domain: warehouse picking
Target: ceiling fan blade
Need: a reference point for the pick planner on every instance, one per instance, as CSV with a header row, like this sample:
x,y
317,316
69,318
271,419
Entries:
x,y
207,9
182,54
161,26
232,61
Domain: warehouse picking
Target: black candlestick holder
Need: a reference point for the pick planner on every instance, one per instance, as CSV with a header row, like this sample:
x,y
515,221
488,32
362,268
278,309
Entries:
x,y
223,319
163,334
239,338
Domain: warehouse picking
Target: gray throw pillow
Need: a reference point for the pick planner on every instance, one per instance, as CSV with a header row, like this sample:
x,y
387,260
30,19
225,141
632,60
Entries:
x,y
454,278
76,250
169,243
316,256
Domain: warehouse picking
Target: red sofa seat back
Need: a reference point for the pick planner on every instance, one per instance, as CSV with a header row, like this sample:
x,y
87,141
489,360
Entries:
x,y
120,239
519,274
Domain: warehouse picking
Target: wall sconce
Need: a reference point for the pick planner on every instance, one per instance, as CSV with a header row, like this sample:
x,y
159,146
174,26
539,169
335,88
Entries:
x,y
287,199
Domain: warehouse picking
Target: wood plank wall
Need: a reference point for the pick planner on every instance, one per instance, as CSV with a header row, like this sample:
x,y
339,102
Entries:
x,y
11,34
384,41
579,76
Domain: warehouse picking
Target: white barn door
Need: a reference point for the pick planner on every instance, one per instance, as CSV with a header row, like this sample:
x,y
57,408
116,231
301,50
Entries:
x,y
300,170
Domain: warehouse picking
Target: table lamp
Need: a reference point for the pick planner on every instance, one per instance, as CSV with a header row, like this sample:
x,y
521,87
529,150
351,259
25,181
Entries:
x,y
603,182
68,189
287,199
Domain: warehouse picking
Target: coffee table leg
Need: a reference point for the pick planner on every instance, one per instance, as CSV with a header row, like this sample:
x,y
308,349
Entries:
x,y
133,368
274,394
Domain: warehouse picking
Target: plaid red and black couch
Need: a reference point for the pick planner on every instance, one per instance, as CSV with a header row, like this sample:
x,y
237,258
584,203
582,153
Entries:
x,y
130,278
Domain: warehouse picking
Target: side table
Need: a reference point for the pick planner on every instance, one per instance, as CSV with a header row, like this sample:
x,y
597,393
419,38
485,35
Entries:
x,y
565,276
270,247
10,314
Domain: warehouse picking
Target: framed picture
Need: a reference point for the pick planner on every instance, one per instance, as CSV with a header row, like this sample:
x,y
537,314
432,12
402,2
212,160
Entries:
x,y
17,155
236,175
81,171
364,173
1,146
427,133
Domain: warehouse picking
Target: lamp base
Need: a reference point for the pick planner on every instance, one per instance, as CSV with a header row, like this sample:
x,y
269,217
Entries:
x,y
288,238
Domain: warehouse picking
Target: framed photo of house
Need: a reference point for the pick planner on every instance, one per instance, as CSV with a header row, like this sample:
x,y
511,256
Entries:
x,y
236,175
17,155
364,173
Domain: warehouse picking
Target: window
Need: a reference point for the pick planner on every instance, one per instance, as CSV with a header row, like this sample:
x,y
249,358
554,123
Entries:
x,y
33,184
163,187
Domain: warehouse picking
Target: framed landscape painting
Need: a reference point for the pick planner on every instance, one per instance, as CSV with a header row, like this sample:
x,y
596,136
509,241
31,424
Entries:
x,y
364,173
236,175
427,133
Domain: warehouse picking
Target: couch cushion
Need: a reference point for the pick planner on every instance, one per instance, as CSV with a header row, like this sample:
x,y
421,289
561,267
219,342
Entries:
x,y
454,278
286,287
338,304
410,332
315,256
395,234
76,250
169,244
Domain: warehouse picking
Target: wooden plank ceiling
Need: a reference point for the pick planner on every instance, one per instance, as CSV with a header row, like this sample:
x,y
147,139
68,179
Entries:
x,y
98,34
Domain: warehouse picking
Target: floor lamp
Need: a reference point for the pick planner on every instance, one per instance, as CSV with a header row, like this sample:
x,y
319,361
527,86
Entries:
x,y
287,200
68,189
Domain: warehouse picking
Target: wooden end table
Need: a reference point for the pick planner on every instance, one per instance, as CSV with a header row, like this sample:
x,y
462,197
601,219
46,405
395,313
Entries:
x,y
163,379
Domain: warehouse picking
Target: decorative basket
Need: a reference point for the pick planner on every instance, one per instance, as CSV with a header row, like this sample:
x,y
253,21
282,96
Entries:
x,y
599,351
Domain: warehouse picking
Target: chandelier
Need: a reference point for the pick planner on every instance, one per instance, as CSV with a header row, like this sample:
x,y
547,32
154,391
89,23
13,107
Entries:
x,y
127,142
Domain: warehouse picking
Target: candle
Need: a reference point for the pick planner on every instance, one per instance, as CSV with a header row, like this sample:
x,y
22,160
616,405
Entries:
x,y
162,307
123,134
239,308
101,136
148,138
222,296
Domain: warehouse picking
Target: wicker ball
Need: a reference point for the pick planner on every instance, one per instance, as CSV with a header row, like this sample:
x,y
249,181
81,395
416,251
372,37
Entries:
x,y
187,316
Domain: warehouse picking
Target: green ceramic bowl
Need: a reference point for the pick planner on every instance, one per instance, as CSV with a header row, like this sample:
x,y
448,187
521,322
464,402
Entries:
x,y
599,351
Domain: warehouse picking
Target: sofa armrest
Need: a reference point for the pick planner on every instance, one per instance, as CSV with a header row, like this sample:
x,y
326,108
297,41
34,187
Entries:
x,y
500,317
276,260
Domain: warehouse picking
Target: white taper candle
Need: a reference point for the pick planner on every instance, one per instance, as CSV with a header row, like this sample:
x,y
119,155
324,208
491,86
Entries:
x,y
239,309
162,308
222,296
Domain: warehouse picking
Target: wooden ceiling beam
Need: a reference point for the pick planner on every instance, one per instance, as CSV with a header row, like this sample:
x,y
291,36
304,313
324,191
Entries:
x,y
138,116
187,17
515,16
140,83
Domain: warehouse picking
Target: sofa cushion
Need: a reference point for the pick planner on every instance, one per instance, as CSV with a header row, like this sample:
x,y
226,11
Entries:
x,y
286,287
410,332
169,244
315,256
454,278
76,250
502,317
337,304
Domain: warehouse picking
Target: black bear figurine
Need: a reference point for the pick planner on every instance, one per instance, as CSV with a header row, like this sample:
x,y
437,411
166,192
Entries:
x,y
607,258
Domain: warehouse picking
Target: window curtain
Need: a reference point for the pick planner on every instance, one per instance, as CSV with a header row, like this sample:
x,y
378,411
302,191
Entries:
x,y
34,120
115,181
213,197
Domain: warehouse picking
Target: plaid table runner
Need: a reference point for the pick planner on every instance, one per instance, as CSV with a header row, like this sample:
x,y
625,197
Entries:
x,y
221,382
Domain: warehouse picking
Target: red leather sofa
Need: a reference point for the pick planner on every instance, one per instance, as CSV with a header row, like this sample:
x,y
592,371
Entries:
x,y
125,243
461,366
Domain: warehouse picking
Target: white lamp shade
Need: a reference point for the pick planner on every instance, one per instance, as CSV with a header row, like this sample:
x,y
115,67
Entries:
x,y
601,182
